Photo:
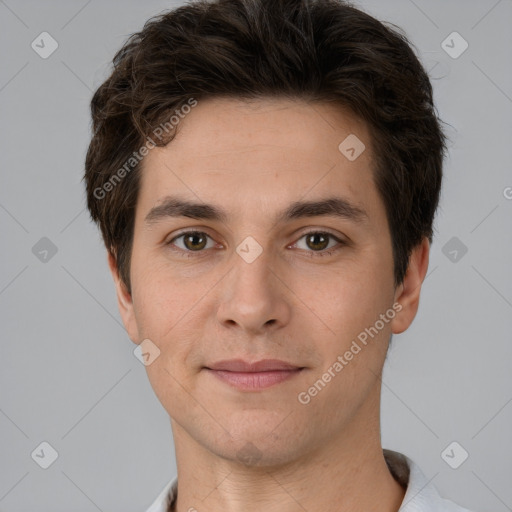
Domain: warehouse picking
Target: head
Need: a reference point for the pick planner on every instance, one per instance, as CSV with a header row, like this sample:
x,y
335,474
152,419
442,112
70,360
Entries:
x,y
305,135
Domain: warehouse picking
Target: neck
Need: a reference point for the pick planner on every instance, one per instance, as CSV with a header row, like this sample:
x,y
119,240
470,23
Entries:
x,y
349,473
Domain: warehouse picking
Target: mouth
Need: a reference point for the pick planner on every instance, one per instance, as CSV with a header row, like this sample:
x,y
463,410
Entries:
x,y
247,376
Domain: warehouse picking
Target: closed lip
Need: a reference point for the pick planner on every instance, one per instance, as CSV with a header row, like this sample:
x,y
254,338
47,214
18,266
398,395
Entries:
x,y
264,365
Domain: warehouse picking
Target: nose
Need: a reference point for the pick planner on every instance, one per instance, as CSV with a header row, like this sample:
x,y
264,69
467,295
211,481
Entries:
x,y
254,298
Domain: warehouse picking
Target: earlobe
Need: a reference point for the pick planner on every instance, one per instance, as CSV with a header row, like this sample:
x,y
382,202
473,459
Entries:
x,y
124,301
408,292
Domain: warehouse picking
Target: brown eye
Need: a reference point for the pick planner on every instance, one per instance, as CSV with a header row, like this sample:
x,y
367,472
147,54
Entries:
x,y
317,241
194,241
191,241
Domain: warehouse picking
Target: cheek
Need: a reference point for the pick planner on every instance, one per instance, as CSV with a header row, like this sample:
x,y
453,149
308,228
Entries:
x,y
167,314
160,299
353,356
348,298
170,312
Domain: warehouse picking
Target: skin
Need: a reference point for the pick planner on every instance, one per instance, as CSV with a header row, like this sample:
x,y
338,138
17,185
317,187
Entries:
x,y
253,160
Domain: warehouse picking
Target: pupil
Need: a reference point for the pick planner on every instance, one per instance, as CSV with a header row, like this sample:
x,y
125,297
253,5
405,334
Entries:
x,y
189,241
323,244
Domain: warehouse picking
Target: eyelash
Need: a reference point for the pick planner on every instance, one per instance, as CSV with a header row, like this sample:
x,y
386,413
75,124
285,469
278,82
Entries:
x,y
310,253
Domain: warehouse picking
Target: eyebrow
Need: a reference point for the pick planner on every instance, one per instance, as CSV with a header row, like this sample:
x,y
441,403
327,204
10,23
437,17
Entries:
x,y
173,206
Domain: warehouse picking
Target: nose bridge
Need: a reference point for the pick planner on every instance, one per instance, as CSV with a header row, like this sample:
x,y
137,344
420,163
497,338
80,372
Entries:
x,y
253,296
252,267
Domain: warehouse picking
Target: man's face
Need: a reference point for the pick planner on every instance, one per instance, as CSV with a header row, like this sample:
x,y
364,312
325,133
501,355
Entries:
x,y
253,286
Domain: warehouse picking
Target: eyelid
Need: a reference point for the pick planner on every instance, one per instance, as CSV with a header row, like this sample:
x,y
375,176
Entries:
x,y
185,231
341,242
325,231
170,241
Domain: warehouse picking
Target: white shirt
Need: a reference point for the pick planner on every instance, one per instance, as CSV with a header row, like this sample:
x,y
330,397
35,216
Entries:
x,y
420,496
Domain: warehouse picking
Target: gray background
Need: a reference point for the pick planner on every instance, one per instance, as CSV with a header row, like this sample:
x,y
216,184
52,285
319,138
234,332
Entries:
x,y
68,375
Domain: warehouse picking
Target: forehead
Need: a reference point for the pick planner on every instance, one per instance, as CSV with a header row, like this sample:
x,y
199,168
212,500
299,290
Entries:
x,y
216,125
261,153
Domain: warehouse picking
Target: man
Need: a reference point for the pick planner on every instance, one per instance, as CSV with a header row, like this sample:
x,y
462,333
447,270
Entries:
x,y
265,175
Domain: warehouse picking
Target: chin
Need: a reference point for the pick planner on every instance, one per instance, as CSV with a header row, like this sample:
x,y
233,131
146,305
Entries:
x,y
257,447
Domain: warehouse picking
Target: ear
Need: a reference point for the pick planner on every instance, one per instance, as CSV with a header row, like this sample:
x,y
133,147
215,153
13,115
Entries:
x,y
408,292
124,301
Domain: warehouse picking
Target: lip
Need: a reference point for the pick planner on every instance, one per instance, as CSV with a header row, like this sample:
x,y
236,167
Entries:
x,y
247,376
264,365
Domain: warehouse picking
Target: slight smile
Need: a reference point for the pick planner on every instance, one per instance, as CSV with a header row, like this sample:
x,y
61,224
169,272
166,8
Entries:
x,y
255,376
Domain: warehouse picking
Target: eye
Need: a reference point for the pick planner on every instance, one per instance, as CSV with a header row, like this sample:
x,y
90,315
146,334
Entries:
x,y
317,243
320,243
191,241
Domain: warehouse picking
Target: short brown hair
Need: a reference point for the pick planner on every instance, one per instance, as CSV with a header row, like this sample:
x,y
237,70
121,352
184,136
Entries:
x,y
319,50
